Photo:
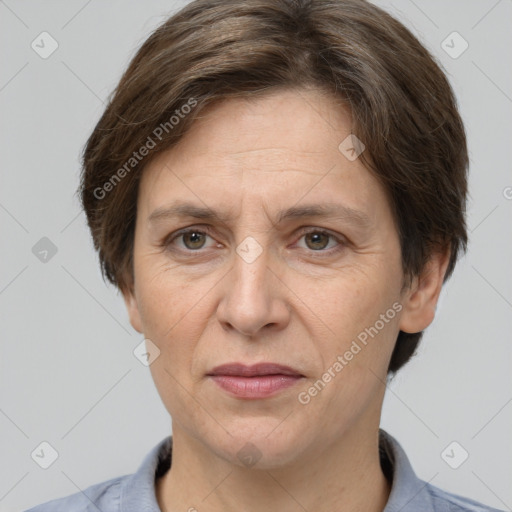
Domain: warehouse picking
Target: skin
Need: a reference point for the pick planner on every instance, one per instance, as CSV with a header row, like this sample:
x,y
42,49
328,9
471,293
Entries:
x,y
300,303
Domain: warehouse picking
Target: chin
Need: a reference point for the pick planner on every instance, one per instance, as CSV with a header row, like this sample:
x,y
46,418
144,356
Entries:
x,y
262,444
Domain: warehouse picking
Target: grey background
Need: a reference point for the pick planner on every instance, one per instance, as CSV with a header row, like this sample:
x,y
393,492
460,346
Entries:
x,y
68,374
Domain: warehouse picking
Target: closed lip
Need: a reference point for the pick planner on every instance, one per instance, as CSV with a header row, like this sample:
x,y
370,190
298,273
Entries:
x,y
255,370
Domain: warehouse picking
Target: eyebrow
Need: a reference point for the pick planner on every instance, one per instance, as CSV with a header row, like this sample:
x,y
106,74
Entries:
x,y
333,211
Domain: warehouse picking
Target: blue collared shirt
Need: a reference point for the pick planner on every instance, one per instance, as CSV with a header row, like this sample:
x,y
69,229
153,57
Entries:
x,y
136,492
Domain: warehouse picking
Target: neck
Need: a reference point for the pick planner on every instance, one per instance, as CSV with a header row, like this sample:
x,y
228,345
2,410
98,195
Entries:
x,y
346,475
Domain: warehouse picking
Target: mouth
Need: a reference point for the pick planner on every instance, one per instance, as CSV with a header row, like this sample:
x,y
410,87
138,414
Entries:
x,y
254,382
256,370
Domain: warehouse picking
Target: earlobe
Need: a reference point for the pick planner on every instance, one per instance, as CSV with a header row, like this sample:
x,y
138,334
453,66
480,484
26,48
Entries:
x,y
132,307
420,299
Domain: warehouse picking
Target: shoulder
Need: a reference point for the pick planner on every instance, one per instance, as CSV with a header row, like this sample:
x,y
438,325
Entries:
x,y
104,496
135,491
410,493
444,501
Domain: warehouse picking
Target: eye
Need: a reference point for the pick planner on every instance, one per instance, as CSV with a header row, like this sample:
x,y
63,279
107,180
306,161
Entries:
x,y
193,239
320,241
189,240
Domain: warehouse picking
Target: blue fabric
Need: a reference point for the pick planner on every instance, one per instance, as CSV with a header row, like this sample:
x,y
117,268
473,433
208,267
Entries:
x,y
136,492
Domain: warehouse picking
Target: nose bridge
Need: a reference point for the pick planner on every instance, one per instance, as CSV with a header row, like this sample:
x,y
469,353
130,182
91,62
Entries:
x,y
249,290
252,251
252,300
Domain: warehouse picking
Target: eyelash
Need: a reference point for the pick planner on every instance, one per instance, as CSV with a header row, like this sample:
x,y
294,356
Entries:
x,y
204,230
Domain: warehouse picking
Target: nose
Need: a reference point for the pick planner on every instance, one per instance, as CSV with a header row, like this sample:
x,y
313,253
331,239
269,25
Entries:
x,y
254,299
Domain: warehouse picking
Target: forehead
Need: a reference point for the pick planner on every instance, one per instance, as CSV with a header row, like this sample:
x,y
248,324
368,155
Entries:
x,y
281,148
299,122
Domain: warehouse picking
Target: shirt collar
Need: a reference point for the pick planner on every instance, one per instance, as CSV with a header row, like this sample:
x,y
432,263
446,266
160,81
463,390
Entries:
x,y
407,490
138,491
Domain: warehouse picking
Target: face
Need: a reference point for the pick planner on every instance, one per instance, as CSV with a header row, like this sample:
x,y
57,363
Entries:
x,y
258,241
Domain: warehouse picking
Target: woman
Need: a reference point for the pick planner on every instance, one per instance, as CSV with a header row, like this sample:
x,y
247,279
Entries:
x,y
278,189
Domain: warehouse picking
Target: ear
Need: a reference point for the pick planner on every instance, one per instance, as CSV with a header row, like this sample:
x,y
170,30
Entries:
x,y
420,299
132,306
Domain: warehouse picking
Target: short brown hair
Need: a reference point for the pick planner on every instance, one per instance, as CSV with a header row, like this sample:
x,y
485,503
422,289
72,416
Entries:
x,y
402,105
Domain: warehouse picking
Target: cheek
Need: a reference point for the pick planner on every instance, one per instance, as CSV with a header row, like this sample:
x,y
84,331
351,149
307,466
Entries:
x,y
351,303
164,298
165,310
174,318
362,313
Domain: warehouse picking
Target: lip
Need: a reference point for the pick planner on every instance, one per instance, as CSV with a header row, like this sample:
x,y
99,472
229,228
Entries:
x,y
255,370
256,381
